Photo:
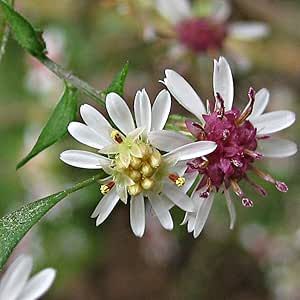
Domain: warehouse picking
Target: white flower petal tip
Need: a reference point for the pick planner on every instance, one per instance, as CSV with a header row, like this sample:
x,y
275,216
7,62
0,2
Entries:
x,y
192,150
160,110
184,93
277,148
202,215
15,285
105,206
137,215
231,209
84,159
14,280
161,211
179,198
119,112
38,285
223,82
93,118
249,30
174,10
86,135
167,140
262,98
221,10
142,110
273,121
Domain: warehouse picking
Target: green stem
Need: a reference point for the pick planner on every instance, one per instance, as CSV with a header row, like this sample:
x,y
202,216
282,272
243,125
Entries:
x,y
5,35
81,85
84,183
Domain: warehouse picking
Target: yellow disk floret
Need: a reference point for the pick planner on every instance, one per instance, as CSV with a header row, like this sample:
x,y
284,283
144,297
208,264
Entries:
x,y
143,167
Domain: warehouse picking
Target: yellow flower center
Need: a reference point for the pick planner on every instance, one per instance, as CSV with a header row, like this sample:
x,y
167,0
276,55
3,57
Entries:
x,y
141,170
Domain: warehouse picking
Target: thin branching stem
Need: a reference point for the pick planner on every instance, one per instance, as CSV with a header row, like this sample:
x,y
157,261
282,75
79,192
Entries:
x,y
69,77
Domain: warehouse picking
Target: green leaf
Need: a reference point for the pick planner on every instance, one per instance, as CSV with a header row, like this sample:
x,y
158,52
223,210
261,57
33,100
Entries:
x,y
117,85
56,127
14,226
24,33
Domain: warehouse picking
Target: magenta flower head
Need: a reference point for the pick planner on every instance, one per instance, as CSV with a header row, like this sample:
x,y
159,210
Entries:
x,y
242,138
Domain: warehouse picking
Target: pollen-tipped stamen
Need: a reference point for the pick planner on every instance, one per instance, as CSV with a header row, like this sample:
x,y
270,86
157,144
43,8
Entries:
x,y
220,106
239,192
208,187
259,189
116,136
106,188
248,109
281,186
253,154
178,180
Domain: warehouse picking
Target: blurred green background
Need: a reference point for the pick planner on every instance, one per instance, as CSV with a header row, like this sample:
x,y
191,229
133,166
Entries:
x,y
259,259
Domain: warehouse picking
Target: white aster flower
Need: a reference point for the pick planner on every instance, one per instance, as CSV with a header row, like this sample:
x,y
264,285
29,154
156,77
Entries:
x,y
242,138
202,34
130,155
16,285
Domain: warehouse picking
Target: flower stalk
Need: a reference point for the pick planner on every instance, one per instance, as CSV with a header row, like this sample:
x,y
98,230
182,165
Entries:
x,y
69,77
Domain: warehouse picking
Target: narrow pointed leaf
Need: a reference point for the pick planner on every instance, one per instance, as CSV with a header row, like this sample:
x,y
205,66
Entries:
x,y
117,85
23,31
56,127
15,225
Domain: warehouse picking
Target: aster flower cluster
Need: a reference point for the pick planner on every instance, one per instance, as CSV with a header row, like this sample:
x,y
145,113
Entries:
x,y
141,159
144,162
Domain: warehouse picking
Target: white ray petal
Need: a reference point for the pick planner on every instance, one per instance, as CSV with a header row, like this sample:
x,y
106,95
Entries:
x,y
223,81
192,150
86,135
84,159
178,197
166,140
95,120
136,133
14,280
261,101
38,285
248,30
277,148
231,208
161,110
119,112
161,212
179,168
142,110
202,214
105,206
221,10
191,223
186,218
273,121
122,192
137,215
174,10
184,93
110,149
